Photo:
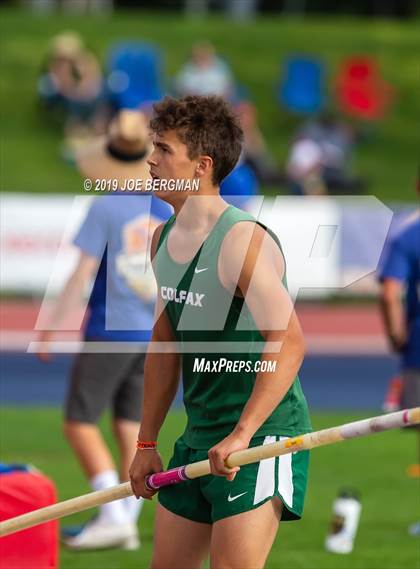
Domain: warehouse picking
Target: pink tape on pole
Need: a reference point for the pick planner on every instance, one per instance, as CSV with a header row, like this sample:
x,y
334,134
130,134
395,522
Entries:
x,y
173,476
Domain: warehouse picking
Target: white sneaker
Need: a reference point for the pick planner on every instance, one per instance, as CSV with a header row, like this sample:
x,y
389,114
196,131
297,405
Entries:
x,y
98,534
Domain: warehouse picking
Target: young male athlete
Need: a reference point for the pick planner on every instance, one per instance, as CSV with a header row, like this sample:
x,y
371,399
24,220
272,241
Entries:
x,y
224,312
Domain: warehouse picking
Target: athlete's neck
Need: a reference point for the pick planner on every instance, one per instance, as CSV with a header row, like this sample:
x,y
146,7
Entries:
x,y
199,213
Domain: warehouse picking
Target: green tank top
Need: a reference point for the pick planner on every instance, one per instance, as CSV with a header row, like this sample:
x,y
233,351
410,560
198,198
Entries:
x,y
205,316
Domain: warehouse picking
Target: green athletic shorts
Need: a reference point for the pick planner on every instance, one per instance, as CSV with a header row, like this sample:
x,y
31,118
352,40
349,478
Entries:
x,y
212,498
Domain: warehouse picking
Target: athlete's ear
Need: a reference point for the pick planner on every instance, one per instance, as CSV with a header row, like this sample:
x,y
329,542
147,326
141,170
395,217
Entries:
x,y
204,166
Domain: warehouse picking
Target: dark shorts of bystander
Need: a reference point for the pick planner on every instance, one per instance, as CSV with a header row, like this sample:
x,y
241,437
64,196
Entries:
x,y
101,381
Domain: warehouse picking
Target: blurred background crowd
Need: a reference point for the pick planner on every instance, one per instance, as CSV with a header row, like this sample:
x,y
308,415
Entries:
x,y
318,110
81,94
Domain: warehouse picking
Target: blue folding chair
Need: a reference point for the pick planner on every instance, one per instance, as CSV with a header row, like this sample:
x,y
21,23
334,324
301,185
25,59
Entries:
x,y
302,86
135,75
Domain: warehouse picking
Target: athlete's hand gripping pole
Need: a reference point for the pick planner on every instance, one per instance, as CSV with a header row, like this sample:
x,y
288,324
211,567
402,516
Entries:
x,y
302,442
202,468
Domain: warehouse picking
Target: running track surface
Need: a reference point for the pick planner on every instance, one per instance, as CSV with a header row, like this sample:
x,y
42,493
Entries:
x,y
352,329
347,366
329,382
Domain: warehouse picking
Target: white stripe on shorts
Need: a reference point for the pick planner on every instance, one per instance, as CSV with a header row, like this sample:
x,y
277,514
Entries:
x,y
265,486
285,486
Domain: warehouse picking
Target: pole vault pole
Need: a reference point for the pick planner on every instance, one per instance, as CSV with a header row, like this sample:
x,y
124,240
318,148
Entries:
x,y
194,470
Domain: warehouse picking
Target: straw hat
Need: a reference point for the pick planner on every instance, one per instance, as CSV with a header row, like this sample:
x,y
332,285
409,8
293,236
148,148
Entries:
x,y
122,154
67,44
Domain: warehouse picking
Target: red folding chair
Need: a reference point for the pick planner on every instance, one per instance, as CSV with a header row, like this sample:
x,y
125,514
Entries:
x,y
360,90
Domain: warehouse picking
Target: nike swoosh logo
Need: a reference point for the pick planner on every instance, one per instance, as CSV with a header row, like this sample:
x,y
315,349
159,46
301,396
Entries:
x,y
200,270
232,498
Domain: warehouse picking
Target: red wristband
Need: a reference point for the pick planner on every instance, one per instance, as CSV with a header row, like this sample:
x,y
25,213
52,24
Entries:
x,y
145,445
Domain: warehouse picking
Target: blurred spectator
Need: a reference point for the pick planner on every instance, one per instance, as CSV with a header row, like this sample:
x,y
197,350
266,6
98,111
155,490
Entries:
x,y
255,150
400,303
400,279
240,10
71,86
319,158
75,6
205,74
135,75
113,242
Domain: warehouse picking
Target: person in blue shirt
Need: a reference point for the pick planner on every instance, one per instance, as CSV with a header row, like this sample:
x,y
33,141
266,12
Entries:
x,y
113,242
400,302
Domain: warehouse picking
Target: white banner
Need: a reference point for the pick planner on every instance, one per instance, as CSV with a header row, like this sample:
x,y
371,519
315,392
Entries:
x,y
33,228
329,243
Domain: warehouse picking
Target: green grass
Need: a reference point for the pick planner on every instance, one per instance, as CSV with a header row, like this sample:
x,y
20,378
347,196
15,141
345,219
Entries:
x,y
30,156
375,465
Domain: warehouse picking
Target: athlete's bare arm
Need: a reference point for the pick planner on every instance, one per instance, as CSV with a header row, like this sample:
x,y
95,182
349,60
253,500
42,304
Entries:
x,y
251,263
69,300
161,378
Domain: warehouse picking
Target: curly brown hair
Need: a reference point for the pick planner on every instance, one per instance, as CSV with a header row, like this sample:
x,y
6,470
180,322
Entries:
x,y
206,125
